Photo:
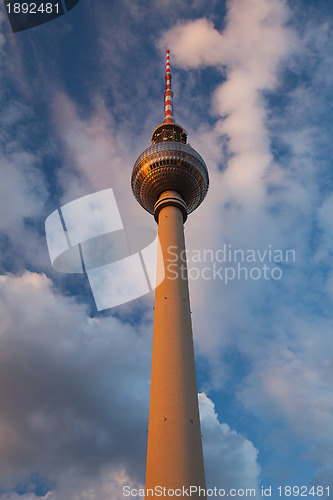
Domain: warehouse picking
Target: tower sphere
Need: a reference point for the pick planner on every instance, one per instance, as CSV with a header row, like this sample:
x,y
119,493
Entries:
x,y
169,164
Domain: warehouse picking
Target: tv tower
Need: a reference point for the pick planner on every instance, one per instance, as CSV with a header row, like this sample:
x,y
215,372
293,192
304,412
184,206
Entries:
x,y
170,180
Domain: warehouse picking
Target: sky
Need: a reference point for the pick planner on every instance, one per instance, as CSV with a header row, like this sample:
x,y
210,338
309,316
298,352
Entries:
x,y
80,97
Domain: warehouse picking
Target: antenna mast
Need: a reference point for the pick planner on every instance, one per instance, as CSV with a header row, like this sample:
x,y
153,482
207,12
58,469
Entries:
x,y
168,94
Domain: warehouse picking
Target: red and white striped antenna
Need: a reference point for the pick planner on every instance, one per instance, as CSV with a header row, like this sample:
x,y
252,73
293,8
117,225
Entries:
x,y
168,94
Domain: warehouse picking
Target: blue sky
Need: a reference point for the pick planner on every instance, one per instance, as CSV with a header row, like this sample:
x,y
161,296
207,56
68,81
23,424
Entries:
x,y
80,97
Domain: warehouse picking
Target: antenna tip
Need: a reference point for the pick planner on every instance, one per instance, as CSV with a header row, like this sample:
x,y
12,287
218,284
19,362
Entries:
x,y
168,51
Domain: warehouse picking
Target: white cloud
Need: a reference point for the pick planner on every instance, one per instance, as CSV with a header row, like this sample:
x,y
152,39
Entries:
x,y
96,156
106,485
249,51
230,459
292,380
251,47
194,43
23,190
66,397
256,201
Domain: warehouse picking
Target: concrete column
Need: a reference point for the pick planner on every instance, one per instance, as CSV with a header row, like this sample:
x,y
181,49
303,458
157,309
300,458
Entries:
x,y
174,455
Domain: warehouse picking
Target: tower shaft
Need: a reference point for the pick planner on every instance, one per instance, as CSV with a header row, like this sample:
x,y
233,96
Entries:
x,y
170,180
174,455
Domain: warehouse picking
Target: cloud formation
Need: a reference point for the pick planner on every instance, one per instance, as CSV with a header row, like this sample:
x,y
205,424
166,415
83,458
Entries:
x,y
250,51
230,459
68,396
266,189
255,105
68,392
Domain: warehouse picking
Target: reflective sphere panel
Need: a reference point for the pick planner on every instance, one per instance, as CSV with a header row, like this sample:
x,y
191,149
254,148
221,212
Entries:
x,y
167,166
